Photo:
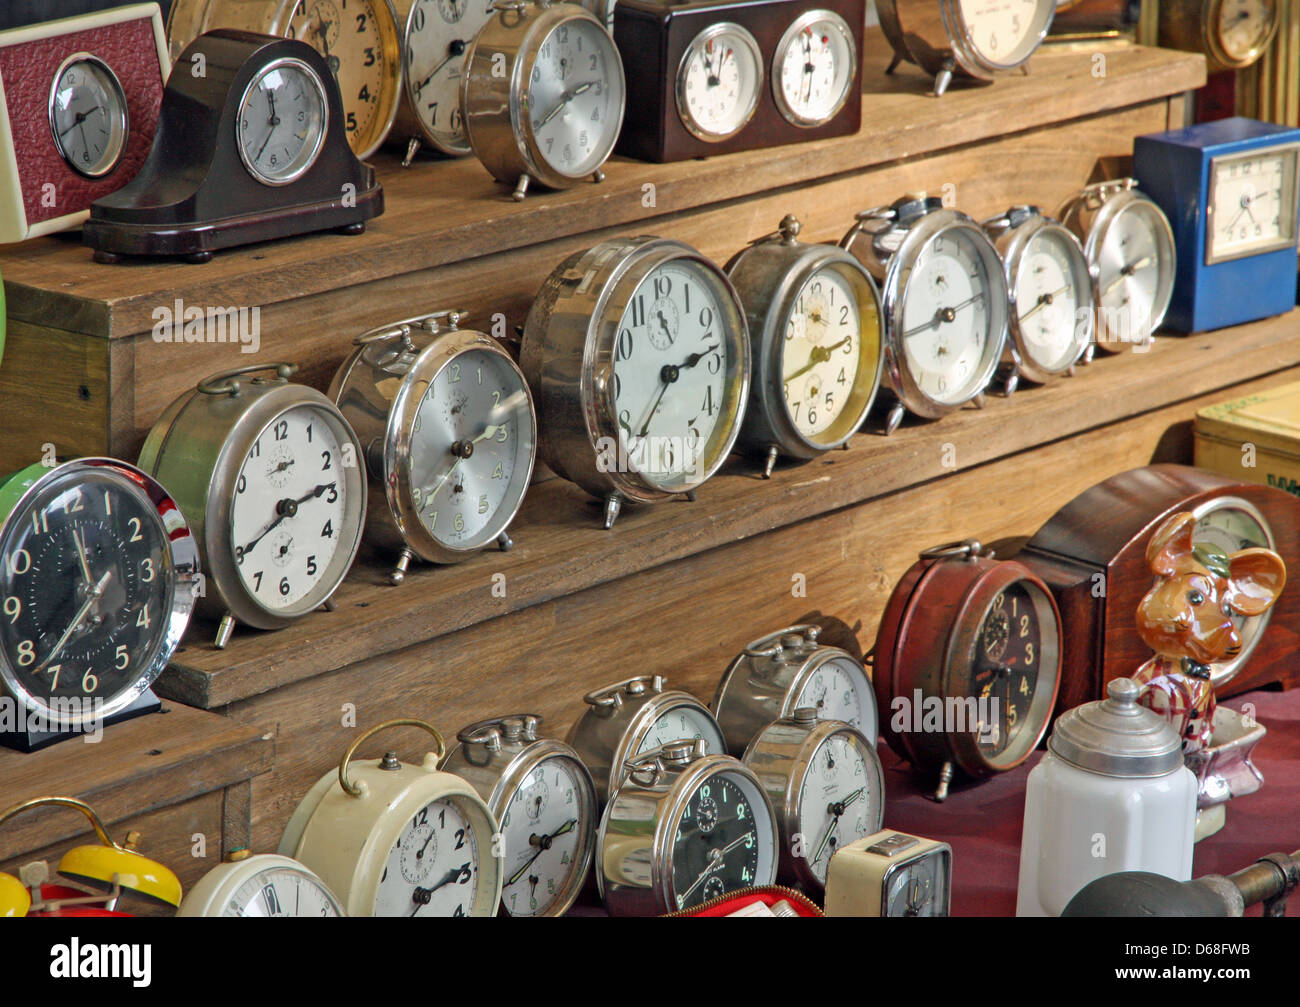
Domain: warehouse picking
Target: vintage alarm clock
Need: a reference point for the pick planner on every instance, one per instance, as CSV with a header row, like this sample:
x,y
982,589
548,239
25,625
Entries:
x,y
1229,190
394,839
945,303
436,35
251,149
638,355
718,76
1092,554
970,39
98,574
826,785
629,718
1050,323
91,878
545,802
1231,34
358,39
84,92
271,474
452,434
890,874
815,331
784,671
265,884
684,828
542,94
1130,249
967,663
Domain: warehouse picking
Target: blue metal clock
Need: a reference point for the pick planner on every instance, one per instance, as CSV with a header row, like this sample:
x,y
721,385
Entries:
x,y
1229,190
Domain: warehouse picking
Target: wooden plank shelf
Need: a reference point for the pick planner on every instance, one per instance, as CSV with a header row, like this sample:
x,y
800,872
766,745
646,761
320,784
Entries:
x,y
562,549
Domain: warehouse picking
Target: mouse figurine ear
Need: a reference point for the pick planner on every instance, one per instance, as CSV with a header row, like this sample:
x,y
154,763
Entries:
x,y
1171,543
1255,580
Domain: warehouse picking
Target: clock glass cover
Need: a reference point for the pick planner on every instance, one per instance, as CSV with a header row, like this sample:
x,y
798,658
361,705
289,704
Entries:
x,y
719,80
88,115
282,121
815,67
721,842
1252,199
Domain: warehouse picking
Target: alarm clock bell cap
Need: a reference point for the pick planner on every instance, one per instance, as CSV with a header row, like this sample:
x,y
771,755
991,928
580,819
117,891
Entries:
x,y
1117,737
15,899
101,866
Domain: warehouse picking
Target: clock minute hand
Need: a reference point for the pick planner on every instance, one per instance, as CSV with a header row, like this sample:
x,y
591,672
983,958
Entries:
x,y
1043,300
715,859
1127,271
543,844
565,98
95,594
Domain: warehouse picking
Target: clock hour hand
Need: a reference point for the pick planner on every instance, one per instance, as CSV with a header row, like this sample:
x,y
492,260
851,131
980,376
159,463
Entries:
x,y
668,375
543,843
81,557
77,121
456,48
91,600
287,507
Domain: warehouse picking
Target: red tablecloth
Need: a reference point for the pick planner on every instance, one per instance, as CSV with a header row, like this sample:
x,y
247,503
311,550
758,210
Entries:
x,y
981,821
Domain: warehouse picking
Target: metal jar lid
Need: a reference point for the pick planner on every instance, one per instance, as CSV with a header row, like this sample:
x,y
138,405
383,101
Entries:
x,y
1116,736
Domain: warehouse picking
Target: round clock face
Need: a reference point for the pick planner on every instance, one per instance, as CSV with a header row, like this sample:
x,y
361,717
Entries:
x,y
575,97
282,891
684,722
1005,32
1252,203
840,799
88,116
1231,525
676,367
471,449
919,888
433,868
1051,286
718,81
88,588
359,40
295,506
1134,263
1244,26
282,120
547,825
437,34
947,320
721,841
815,67
840,690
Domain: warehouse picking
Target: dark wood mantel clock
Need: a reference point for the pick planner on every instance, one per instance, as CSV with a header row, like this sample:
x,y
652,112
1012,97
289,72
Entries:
x,y
1091,553
250,146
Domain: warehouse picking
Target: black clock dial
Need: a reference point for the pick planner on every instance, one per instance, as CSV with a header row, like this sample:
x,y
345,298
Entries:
x,y
1008,653
721,841
87,583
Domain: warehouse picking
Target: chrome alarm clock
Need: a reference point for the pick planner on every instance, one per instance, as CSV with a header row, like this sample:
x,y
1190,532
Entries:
x,y
451,435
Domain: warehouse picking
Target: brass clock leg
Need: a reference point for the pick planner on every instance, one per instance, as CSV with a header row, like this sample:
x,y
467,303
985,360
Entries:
x,y
1010,378
521,189
224,629
978,401
412,149
895,417
1088,354
893,63
329,604
504,542
770,464
399,569
598,175
945,778
942,79
613,504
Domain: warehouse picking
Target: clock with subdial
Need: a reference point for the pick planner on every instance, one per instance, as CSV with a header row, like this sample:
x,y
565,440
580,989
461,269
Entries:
x,y
719,81
638,354
815,335
1229,191
271,472
944,300
1050,323
1231,34
683,829
815,68
455,435
545,802
260,885
826,785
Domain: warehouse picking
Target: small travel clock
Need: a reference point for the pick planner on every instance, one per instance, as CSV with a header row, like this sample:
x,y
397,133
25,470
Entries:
x,y
890,874
1229,188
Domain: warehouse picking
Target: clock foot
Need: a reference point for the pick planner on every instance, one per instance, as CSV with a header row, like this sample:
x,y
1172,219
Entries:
x,y
945,777
107,258
358,228
198,258
412,149
521,189
1069,371
329,604
399,569
690,495
770,463
978,401
893,64
224,629
1024,69
598,175
942,80
895,417
613,504
1010,379
1088,354
504,542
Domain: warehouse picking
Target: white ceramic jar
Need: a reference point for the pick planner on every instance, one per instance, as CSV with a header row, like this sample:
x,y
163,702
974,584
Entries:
x,y
1111,794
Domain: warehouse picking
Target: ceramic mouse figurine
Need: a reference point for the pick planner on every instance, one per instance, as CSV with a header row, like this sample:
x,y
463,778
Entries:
x,y
1186,618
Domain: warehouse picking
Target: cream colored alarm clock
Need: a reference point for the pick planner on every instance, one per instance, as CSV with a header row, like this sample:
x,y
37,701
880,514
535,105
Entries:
x,y
890,874
393,839
266,884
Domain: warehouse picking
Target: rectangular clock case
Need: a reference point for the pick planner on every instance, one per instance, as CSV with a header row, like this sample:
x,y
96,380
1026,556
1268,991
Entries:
x,y
653,35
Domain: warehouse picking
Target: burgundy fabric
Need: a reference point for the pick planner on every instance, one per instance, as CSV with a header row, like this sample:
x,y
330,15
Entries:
x,y
130,49
982,821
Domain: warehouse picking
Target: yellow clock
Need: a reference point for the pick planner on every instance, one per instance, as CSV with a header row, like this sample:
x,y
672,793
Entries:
x,y
359,39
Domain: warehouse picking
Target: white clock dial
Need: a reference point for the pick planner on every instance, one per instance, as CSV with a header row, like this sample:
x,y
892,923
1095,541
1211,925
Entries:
x,y
840,690
719,81
544,828
821,353
88,116
575,97
282,891
471,444
815,67
839,800
1005,32
287,516
1245,25
683,723
1048,300
433,868
437,34
1130,261
946,318
282,120
1253,203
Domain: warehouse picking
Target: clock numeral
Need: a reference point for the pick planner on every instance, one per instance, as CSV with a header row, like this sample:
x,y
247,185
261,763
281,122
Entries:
x,y
142,619
72,501
257,581
370,56
483,504
460,836
13,608
637,310
328,530
455,372
19,562
122,657
54,670
663,286
624,349
89,682
134,525
40,522
311,567
497,472
325,458
361,23
26,653
284,586
147,564
281,430
1029,654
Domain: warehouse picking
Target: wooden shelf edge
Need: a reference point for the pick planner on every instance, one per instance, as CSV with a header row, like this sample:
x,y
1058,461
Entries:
x,y
561,549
